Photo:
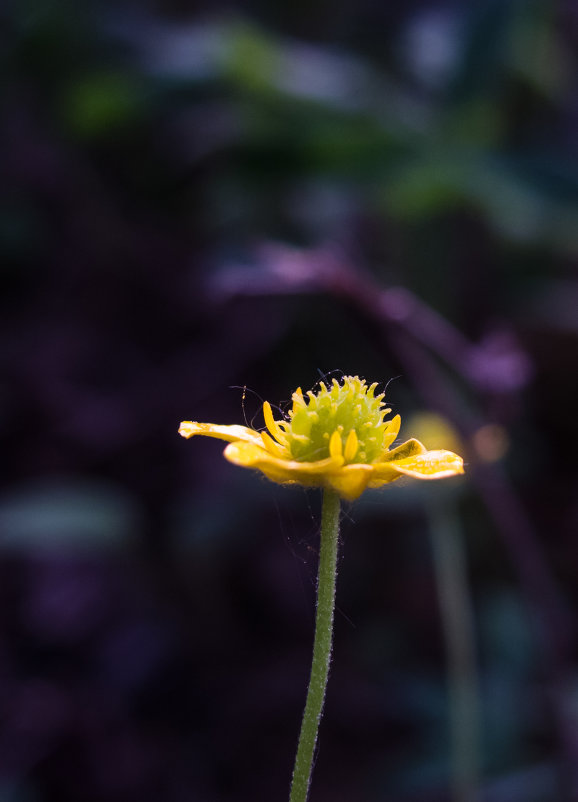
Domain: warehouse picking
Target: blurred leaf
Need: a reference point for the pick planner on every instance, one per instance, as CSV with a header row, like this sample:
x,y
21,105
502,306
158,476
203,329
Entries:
x,y
515,206
537,52
102,103
66,514
251,59
484,44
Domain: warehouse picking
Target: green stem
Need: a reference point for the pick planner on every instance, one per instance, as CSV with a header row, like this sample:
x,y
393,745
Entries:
x,y
457,617
321,647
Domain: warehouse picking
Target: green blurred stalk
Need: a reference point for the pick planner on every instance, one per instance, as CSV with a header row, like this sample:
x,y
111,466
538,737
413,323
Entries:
x,y
458,624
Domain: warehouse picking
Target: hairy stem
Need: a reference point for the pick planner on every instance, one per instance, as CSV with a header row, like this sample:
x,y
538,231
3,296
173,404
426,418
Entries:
x,y
321,647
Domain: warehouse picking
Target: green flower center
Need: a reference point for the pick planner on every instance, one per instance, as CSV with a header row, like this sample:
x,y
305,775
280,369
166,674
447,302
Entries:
x,y
348,407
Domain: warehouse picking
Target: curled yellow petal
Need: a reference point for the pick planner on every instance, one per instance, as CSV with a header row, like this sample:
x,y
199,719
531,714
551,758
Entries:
x,y
391,431
407,449
431,465
385,471
189,428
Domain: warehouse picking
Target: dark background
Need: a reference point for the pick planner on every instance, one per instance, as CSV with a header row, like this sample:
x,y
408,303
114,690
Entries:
x,y
197,198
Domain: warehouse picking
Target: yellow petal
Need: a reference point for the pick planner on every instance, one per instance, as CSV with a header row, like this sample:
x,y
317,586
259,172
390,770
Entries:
x,y
351,480
249,455
385,471
384,478
392,431
189,428
431,465
407,449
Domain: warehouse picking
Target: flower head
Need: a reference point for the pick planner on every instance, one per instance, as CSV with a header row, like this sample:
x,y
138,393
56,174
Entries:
x,y
337,437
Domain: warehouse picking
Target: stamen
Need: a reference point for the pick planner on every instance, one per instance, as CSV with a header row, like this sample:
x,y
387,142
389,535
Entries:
x,y
335,445
272,424
273,447
297,398
351,445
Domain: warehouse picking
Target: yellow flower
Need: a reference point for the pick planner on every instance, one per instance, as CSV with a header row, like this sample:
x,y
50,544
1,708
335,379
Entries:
x,y
335,438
